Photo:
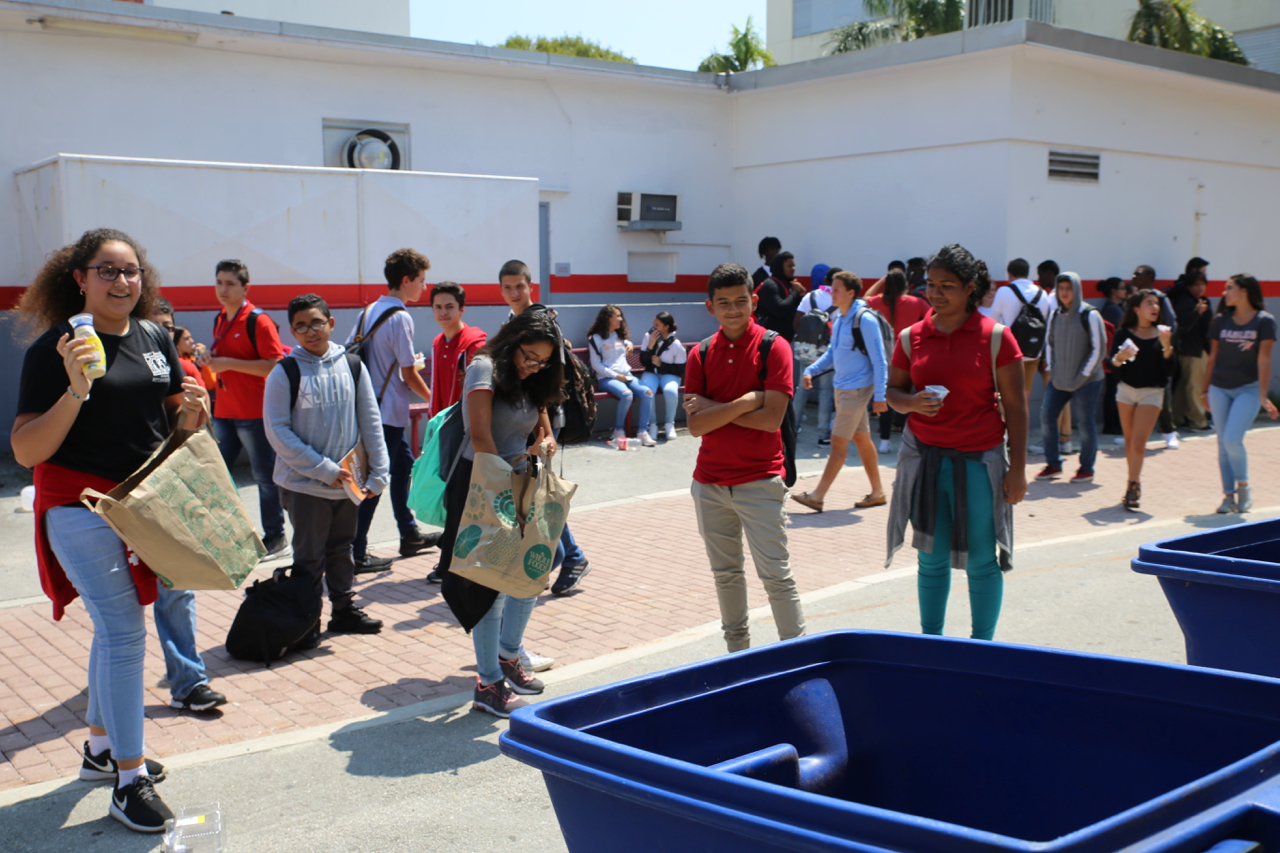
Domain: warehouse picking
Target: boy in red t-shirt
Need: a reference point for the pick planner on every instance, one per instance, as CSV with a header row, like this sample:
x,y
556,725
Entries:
x,y
453,348
243,355
737,482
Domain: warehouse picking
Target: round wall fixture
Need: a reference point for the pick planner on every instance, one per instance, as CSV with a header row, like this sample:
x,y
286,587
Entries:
x,y
372,149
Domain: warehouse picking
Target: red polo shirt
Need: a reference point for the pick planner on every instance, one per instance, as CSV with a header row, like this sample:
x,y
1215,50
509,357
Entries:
x,y
447,370
969,419
733,455
240,394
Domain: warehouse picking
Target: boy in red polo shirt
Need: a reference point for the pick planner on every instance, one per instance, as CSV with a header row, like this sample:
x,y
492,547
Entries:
x,y
737,483
453,348
242,358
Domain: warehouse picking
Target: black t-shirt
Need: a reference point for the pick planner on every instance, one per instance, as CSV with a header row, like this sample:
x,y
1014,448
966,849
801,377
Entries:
x,y
124,419
1149,369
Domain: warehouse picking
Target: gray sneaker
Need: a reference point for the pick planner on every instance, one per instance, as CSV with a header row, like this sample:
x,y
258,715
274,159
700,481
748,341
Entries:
x,y
1228,505
496,699
521,680
1244,498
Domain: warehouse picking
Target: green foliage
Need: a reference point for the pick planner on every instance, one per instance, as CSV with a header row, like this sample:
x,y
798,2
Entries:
x,y
904,20
567,45
746,51
1175,25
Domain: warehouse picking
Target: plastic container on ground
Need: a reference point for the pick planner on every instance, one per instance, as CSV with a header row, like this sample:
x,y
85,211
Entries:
x,y
872,741
196,829
1224,589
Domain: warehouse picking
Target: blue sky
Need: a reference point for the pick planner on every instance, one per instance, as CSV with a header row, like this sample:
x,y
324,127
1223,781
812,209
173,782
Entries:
x,y
667,33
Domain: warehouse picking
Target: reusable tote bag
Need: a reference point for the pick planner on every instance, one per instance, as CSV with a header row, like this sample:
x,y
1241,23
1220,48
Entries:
x,y
510,526
430,470
181,514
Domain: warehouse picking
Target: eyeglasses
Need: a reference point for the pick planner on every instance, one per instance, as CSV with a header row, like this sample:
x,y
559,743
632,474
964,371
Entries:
x,y
314,326
529,361
110,273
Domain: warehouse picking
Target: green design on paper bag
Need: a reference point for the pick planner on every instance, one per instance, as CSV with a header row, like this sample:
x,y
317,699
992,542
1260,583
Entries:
x,y
466,542
208,513
504,506
503,547
476,502
537,561
550,520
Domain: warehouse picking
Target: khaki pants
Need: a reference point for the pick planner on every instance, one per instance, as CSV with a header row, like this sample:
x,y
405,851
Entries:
x,y
1188,405
725,513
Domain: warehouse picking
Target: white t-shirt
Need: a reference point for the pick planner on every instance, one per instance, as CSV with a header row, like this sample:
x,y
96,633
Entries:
x,y
820,297
1006,306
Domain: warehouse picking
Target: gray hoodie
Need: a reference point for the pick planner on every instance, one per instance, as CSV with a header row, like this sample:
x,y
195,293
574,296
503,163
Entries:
x,y
330,416
1074,349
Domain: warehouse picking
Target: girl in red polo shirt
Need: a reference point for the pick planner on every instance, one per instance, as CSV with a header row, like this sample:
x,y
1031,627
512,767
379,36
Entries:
x,y
955,483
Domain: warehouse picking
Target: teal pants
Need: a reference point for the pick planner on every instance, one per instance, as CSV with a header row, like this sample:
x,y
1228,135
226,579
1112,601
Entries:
x,y
986,583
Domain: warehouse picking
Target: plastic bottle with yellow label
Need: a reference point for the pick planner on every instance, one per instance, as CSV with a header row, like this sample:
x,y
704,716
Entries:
x,y
82,324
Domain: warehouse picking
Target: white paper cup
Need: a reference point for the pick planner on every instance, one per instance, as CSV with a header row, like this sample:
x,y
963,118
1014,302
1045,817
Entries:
x,y
940,390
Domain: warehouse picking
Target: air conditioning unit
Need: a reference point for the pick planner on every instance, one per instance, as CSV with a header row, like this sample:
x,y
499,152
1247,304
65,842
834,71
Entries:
x,y
639,211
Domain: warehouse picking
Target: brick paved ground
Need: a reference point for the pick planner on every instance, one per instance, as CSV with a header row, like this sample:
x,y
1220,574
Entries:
x,y
650,581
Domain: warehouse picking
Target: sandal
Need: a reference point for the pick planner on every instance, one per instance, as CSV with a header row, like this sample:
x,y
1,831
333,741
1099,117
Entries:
x,y
807,499
1132,495
870,501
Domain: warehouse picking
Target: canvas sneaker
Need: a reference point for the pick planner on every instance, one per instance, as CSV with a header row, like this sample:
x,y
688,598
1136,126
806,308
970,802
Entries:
x,y
201,698
646,440
535,662
139,807
520,680
277,546
496,699
1083,476
101,767
1048,472
670,430
569,578
1244,498
1171,440
886,446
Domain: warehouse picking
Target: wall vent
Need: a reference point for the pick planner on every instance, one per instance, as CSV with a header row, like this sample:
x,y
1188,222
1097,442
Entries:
x,y
1074,166
365,144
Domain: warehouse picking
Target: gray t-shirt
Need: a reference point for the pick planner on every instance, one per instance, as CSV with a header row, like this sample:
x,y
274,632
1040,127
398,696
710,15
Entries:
x,y
1237,360
511,424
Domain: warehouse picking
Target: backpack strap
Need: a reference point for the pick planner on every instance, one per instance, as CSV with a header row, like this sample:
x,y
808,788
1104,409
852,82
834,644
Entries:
x,y
251,328
859,342
766,345
386,315
997,338
294,373
702,361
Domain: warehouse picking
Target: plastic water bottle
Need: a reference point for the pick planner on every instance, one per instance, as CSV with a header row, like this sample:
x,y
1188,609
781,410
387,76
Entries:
x,y
624,443
196,829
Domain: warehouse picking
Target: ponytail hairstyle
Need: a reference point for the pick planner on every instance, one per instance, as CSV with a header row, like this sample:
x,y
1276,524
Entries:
x,y
895,284
1249,285
667,320
958,261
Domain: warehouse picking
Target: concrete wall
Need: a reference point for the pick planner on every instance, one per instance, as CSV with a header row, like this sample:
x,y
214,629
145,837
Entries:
x,y
371,16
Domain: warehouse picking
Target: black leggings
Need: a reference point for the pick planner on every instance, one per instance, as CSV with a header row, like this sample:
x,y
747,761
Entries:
x,y
887,419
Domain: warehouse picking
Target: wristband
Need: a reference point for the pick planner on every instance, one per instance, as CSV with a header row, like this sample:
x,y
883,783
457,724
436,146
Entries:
x,y
77,396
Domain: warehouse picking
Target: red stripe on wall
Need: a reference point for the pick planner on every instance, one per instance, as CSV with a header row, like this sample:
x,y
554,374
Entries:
x,y
618,283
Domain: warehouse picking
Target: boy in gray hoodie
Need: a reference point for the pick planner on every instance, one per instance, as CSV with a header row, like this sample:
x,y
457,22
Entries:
x,y
1075,344
335,408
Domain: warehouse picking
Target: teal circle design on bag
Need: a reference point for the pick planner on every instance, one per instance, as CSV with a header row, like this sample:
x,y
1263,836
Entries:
x,y
466,542
502,548
550,520
504,506
475,503
537,561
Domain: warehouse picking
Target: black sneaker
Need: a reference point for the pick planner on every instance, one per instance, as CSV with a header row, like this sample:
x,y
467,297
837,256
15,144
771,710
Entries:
x,y
353,620
824,442
520,679
410,545
369,564
139,807
569,578
101,767
277,546
496,699
435,575
201,698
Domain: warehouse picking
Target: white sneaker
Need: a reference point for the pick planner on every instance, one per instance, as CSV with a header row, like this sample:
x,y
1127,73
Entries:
x,y
886,446
1066,447
646,440
670,432
535,662
619,433
1171,440
1119,441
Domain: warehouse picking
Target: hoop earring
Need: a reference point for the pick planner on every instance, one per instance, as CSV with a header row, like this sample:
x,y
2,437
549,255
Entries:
x,y
82,293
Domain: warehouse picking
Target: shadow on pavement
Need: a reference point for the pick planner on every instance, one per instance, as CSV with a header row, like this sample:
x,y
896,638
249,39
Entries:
x,y
458,739
31,825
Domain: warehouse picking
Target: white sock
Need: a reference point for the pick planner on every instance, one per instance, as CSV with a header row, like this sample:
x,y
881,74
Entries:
x,y
126,777
98,743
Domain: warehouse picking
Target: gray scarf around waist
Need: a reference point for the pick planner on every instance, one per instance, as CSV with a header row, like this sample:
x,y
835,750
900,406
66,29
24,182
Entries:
x,y
915,499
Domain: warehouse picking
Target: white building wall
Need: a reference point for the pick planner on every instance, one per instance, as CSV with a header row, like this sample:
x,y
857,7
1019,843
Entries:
x,y
371,16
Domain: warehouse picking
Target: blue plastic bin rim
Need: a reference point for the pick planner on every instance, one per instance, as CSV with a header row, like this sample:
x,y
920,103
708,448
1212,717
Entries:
x,y
1204,550
624,771
1194,575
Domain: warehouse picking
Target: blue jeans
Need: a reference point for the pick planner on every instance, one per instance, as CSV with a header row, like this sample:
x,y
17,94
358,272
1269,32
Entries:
x,y
669,385
401,468
175,612
500,632
824,386
95,562
1086,412
235,433
986,583
1233,412
625,391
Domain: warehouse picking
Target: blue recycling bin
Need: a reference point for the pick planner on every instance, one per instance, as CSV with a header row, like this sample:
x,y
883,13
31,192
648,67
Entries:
x,y
1224,589
874,741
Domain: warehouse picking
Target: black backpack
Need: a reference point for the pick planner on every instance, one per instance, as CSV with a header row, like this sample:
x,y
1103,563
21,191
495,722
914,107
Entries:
x,y
1028,327
278,616
359,345
294,374
813,335
886,332
788,427
579,406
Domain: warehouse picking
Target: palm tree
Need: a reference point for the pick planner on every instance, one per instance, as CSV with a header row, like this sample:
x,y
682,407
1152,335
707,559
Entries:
x,y
746,51
1175,24
902,20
